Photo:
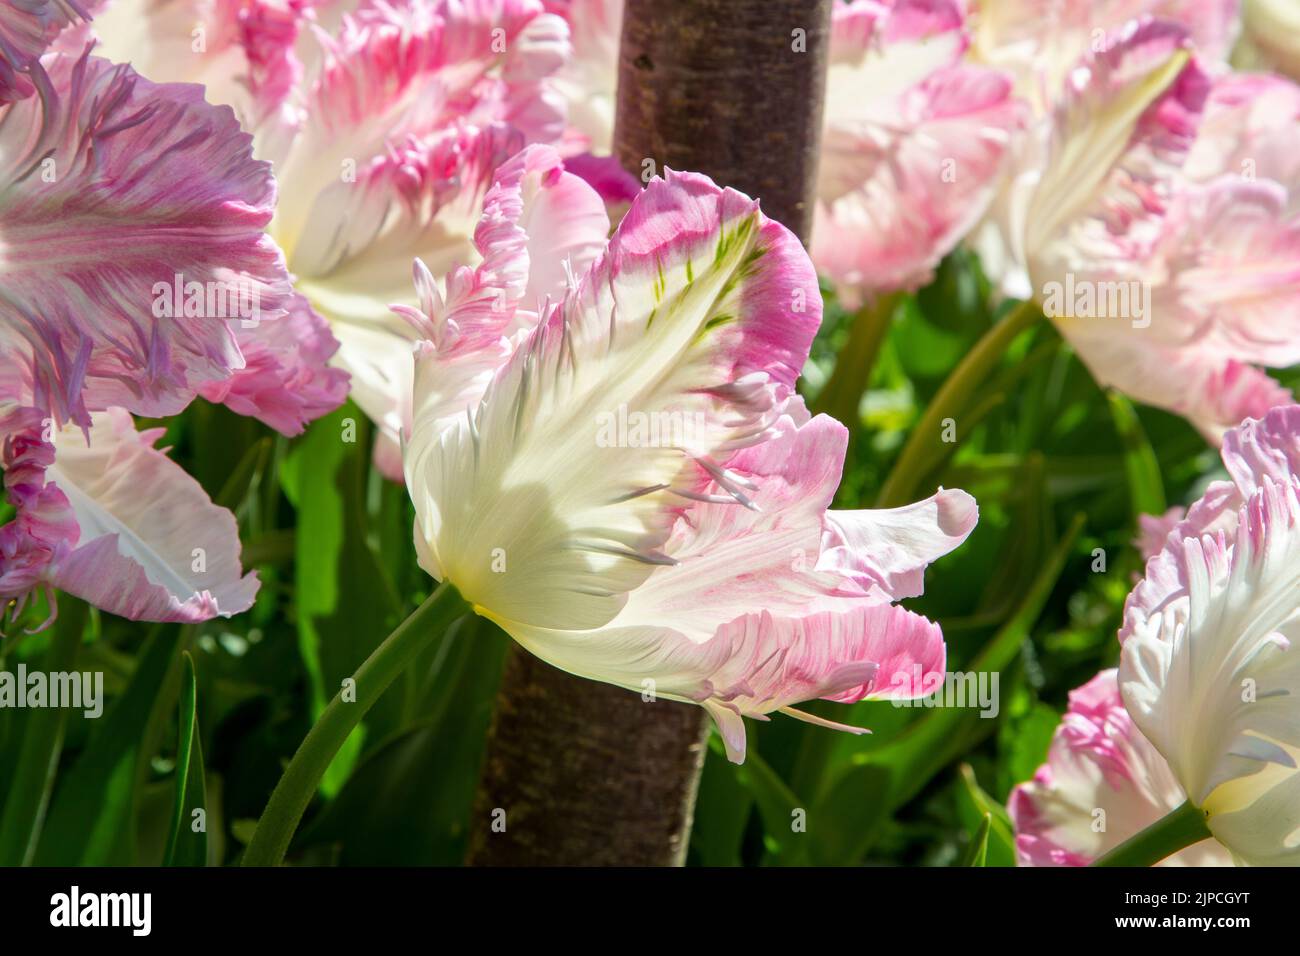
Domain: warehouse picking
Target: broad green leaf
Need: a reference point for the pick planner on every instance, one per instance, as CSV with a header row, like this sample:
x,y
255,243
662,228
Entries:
x,y
722,811
92,816
28,794
345,603
408,800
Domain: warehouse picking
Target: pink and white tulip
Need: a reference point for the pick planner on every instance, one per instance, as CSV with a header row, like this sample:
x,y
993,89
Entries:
x,y
1182,312
1103,783
629,486
132,235
1039,42
1207,668
914,143
384,122
103,515
113,189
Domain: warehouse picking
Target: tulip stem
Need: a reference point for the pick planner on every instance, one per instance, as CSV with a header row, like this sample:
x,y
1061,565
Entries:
x,y
920,454
303,775
1178,829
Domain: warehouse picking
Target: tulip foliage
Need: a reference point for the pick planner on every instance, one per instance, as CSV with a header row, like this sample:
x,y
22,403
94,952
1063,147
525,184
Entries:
x,y
319,316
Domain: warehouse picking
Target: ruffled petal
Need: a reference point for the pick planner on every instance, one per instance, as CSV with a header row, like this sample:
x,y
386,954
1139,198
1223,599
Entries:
x,y
889,550
1251,129
43,529
1232,250
912,147
731,557
1040,41
1103,783
27,27
1210,679
1116,145
758,663
243,52
286,380
118,193
1268,446
541,226
699,315
1153,531
589,80
152,546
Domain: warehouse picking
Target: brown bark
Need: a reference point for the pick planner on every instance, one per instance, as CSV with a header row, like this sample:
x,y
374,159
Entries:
x,y
717,87
586,773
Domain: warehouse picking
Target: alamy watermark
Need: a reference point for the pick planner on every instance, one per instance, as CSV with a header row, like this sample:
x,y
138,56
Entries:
x,y
75,690
241,299
1101,299
622,428
951,689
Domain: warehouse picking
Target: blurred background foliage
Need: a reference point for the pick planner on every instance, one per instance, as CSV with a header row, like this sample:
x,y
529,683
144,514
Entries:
x,y
206,716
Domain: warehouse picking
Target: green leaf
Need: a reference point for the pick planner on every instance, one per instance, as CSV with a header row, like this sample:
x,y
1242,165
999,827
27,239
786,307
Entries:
x,y
973,807
246,474
785,816
977,852
345,602
29,789
425,776
722,811
92,818
1023,743
186,845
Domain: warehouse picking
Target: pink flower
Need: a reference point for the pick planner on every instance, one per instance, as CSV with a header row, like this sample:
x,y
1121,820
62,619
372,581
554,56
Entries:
x,y
913,145
132,220
626,482
1258,449
105,516
1103,783
1172,289
1040,41
27,28
1207,667
588,81
913,141
116,192
1154,529
384,122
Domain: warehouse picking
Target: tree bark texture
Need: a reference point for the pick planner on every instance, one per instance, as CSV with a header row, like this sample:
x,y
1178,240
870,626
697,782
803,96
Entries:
x,y
582,773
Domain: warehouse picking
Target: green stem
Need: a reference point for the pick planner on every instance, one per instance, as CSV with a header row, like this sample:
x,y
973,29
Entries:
x,y
29,793
295,790
922,450
842,393
1178,829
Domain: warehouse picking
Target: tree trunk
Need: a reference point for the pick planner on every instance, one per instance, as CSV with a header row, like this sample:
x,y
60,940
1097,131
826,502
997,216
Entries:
x,y
581,773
